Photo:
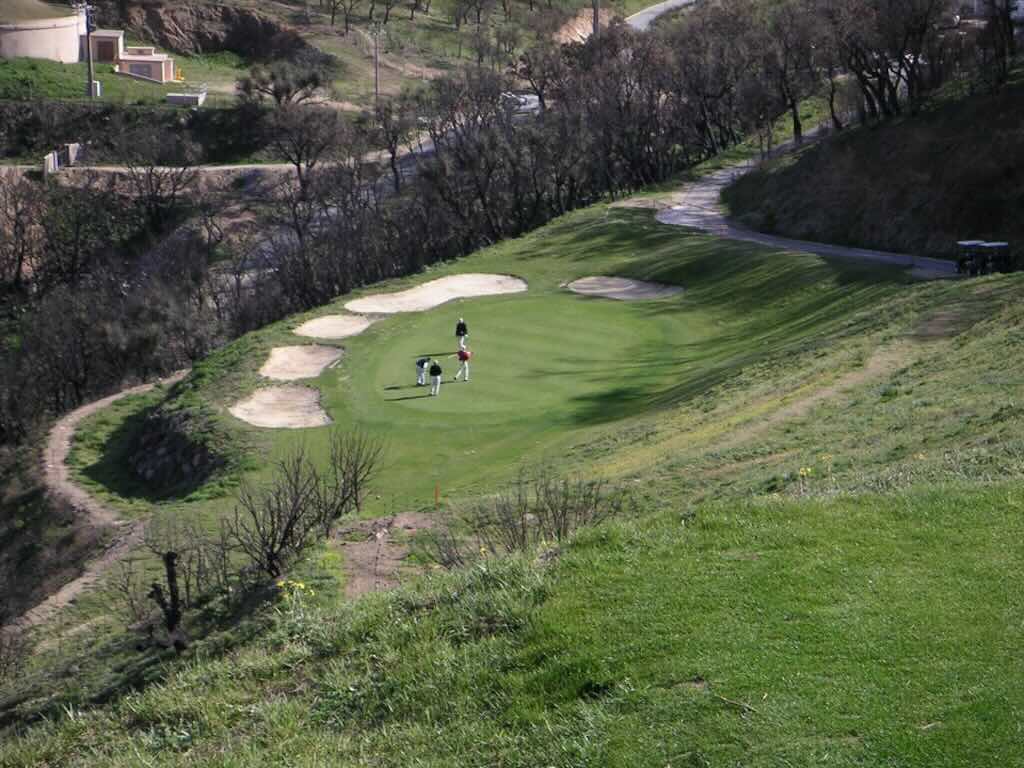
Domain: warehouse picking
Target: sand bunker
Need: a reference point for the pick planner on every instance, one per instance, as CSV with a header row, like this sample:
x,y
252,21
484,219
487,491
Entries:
x,y
437,292
623,289
290,407
304,362
334,327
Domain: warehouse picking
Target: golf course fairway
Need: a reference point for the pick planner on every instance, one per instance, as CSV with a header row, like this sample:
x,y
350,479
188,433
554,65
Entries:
x,y
821,564
552,372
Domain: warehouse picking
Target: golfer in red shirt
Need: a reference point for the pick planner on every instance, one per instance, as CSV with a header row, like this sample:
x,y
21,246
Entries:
x,y
464,355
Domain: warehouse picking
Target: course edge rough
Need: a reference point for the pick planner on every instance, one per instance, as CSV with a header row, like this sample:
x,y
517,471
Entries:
x,y
437,292
622,288
285,407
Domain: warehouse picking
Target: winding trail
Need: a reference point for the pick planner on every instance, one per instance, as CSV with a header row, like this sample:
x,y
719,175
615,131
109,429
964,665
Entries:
x,y
698,205
60,486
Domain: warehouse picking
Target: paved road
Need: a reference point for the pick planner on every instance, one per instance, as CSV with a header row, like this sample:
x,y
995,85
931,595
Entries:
x,y
642,19
698,205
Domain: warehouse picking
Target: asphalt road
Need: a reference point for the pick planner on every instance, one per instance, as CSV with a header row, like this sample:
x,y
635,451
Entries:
x,y
642,19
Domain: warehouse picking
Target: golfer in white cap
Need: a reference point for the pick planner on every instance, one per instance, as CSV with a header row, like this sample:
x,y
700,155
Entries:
x,y
461,332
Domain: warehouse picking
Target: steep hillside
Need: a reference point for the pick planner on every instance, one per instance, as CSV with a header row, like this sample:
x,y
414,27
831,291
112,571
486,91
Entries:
x,y
916,185
822,560
419,40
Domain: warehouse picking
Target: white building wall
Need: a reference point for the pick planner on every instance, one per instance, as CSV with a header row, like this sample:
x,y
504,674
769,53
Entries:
x,y
56,39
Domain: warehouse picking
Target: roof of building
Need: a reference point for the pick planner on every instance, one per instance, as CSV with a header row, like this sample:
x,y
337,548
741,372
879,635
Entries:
x,y
12,11
108,33
144,57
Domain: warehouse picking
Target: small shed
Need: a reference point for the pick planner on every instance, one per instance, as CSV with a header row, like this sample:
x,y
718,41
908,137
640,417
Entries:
x,y
146,64
107,45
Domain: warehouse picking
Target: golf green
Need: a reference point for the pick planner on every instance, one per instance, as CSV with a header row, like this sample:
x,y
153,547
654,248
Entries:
x,y
545,366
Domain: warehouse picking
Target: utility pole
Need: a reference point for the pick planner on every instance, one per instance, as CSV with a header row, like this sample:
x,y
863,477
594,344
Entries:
x,y
90,26
597,18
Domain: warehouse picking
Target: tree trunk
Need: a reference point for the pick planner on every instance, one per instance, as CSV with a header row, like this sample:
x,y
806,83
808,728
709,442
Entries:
x,y
395,172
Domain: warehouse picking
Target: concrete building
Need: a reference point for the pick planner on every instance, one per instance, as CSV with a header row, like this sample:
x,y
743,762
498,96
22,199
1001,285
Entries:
x,y
40,31
146,64
107,45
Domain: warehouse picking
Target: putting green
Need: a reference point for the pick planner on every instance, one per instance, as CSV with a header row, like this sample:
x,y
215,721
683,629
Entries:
x,y
545,366
557,378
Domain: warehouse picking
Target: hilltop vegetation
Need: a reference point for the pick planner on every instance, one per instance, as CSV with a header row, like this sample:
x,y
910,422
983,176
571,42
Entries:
x,y
917,185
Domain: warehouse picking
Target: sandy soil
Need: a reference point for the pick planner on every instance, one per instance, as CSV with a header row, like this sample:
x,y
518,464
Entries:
x,y
581,26
302,362
623,289
333,327
376,549
437,292
288,407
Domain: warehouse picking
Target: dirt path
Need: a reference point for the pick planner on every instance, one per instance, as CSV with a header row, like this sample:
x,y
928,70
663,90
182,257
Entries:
x,y
61,486
375,550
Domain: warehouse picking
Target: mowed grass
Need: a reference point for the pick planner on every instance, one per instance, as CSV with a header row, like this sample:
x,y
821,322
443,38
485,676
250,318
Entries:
x,y
546,366
880,630
26,79
749,615
551,369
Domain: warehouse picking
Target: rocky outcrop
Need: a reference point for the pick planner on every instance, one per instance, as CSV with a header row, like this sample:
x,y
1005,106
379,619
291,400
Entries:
x,y
193,28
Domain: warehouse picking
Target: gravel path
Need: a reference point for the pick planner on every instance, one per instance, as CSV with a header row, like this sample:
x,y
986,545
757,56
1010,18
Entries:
x,y
61,486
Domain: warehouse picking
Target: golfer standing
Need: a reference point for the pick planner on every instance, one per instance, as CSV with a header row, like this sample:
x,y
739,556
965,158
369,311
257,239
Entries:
x,y
461,332
464,355
435,377
421,371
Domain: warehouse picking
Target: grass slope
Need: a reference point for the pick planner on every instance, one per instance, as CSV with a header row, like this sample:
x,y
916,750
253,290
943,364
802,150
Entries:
x,y
823,568
870,631
915,185
551,369
27,79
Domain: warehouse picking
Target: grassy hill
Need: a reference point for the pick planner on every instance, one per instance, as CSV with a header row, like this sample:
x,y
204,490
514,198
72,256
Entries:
x,y
915,185
824,563
32,10
414,48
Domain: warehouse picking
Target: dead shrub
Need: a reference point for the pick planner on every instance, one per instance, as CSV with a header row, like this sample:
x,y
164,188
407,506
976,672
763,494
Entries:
x,y
538,508
14,649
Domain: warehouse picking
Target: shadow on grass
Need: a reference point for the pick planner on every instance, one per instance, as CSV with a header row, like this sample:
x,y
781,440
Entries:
x,y
114,471
120,666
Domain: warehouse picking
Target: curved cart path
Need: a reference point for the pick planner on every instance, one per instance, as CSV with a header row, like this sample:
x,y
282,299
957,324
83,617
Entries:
x,y
642,19
61,486
698,205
